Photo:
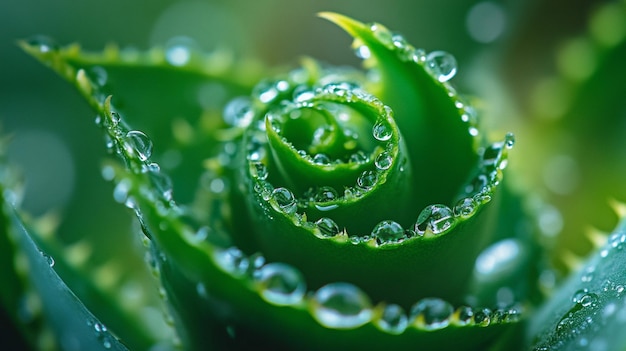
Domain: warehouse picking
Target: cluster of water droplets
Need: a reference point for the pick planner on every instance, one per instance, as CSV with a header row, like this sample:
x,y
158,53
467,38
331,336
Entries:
x,y
441,65
282,101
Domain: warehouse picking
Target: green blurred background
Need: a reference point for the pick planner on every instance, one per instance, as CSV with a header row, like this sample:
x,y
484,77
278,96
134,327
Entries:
x,y
504,50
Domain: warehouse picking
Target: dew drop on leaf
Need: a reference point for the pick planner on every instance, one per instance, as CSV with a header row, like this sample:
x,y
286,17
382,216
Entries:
x,y
382,131
436,218
442,65
367,180
387,231
482,317
383,161
341,306
509,140
281,283
465,208
464,315
258,170
49,259
393,320
325,194
327,227
140,143
321,159
285,200
434,313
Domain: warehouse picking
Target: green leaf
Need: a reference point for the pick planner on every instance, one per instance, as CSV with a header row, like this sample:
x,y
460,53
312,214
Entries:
x,y
587,311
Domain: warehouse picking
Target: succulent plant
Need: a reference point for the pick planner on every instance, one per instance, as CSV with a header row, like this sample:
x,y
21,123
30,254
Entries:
x,y
318,208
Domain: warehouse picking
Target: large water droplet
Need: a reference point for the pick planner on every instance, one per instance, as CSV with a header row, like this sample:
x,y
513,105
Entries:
x,y
382,131
140,143
367,180
482,317
383,161
387,231
282,284
327,227
285,200
161,183
393,320
432,313
238,112
442,65
435,218
341,306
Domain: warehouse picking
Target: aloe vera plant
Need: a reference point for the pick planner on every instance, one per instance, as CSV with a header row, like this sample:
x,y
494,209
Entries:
x,y
317,208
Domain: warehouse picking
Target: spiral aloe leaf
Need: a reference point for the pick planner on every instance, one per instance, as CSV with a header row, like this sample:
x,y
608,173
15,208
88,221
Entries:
x,y
325,210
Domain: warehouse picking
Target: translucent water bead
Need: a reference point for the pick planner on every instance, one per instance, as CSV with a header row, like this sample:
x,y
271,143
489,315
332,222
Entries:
x,y
435,218
140,144
285,200
432,313
393,320
327,227
281,283
441,65
341,306
387,231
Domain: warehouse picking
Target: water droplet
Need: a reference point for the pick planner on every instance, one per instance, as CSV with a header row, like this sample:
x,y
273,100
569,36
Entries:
x,y
258,170
387,231
482,317
341,306
49,259
509,140
99,327
382,34
432,313
393,320
140,143
43,44
238,112
464,315
282,284
442,65
325,194
435,218
178,51
301,94
383,161
285,200
587,300
367,180
321,159
327,227
362,52
465,208
382,131
232,260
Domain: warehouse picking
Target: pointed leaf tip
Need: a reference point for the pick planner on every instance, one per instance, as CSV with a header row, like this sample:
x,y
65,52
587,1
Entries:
x,y
346,23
